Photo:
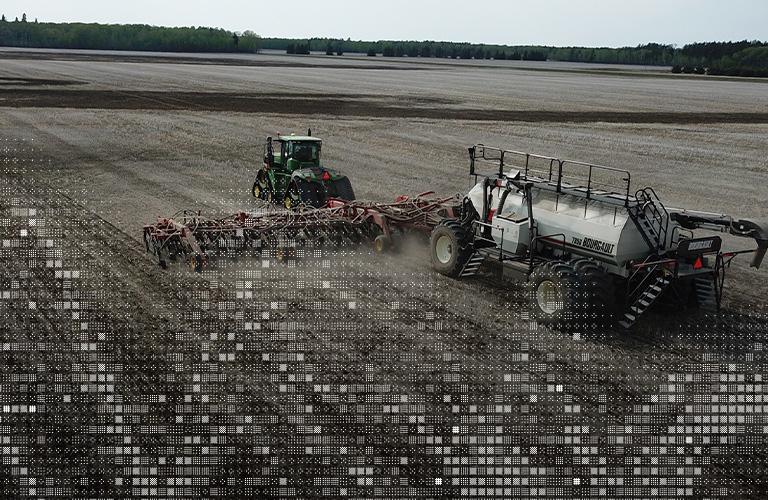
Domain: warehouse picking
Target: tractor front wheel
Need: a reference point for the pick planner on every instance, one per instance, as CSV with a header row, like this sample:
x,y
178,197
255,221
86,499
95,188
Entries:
x,y
450,247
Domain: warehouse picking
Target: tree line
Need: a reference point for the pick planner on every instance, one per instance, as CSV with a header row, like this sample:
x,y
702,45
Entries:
x,y
731,58
404,49
745,58
21,33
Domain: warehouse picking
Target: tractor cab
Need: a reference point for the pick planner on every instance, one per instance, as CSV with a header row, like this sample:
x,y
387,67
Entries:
x,y
294,152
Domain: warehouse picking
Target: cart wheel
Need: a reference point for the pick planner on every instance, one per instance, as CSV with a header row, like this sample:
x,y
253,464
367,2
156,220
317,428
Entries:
x,y
557,295
450,247
382,243
146,240
397,241
196,262
600,292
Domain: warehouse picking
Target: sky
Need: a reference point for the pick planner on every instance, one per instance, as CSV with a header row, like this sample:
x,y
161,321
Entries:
x,y
562,23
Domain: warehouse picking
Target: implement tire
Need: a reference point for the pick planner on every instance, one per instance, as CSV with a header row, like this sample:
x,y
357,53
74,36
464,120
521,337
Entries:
x,y
382,244
450,247
557,295
601,292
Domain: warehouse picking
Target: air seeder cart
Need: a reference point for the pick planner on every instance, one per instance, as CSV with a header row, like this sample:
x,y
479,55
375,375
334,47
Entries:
x,y
589,247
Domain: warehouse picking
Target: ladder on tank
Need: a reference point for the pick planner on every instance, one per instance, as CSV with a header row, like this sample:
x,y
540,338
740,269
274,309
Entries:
x,y
651,218
472,265
658,284
706,294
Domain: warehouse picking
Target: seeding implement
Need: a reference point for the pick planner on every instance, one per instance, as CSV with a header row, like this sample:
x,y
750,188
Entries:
x,y
198,240
588,246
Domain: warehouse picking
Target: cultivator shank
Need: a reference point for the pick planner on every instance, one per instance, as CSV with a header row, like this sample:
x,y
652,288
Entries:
x,y
199,240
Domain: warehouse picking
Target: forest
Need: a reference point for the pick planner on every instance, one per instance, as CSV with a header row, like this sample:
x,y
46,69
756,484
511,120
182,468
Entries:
x,y
744,58
23,33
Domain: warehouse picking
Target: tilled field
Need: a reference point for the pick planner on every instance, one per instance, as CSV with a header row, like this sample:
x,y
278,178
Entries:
x,y
351,374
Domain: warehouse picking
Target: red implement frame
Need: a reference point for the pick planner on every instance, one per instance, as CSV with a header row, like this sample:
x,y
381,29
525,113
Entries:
x,y
198,239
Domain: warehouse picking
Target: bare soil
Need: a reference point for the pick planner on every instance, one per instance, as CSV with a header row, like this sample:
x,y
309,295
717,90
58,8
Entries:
x,y
351,374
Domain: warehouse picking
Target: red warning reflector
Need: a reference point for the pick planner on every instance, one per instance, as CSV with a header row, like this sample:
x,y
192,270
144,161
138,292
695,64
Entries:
x,y
699,263
326,176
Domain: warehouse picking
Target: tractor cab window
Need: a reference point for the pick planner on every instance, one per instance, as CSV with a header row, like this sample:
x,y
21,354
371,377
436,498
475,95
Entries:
x,y
306,151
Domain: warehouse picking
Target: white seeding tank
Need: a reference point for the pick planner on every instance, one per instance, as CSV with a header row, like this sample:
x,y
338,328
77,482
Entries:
x,y
589,247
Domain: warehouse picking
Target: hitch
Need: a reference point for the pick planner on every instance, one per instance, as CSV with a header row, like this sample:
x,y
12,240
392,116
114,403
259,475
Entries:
x,y
757,230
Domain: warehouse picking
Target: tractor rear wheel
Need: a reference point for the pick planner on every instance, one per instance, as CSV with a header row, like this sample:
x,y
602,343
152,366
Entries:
x,y
450,247
344,189
301,194
557,295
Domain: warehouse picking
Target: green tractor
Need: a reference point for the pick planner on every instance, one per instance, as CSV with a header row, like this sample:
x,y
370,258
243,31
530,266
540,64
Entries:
x,y
293,175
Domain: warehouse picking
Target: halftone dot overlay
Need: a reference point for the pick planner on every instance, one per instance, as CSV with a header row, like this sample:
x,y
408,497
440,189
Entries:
x,y
336,375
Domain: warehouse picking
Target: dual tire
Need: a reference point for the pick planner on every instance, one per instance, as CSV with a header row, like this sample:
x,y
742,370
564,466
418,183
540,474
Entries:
x,y
556,294
575,294
384,244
